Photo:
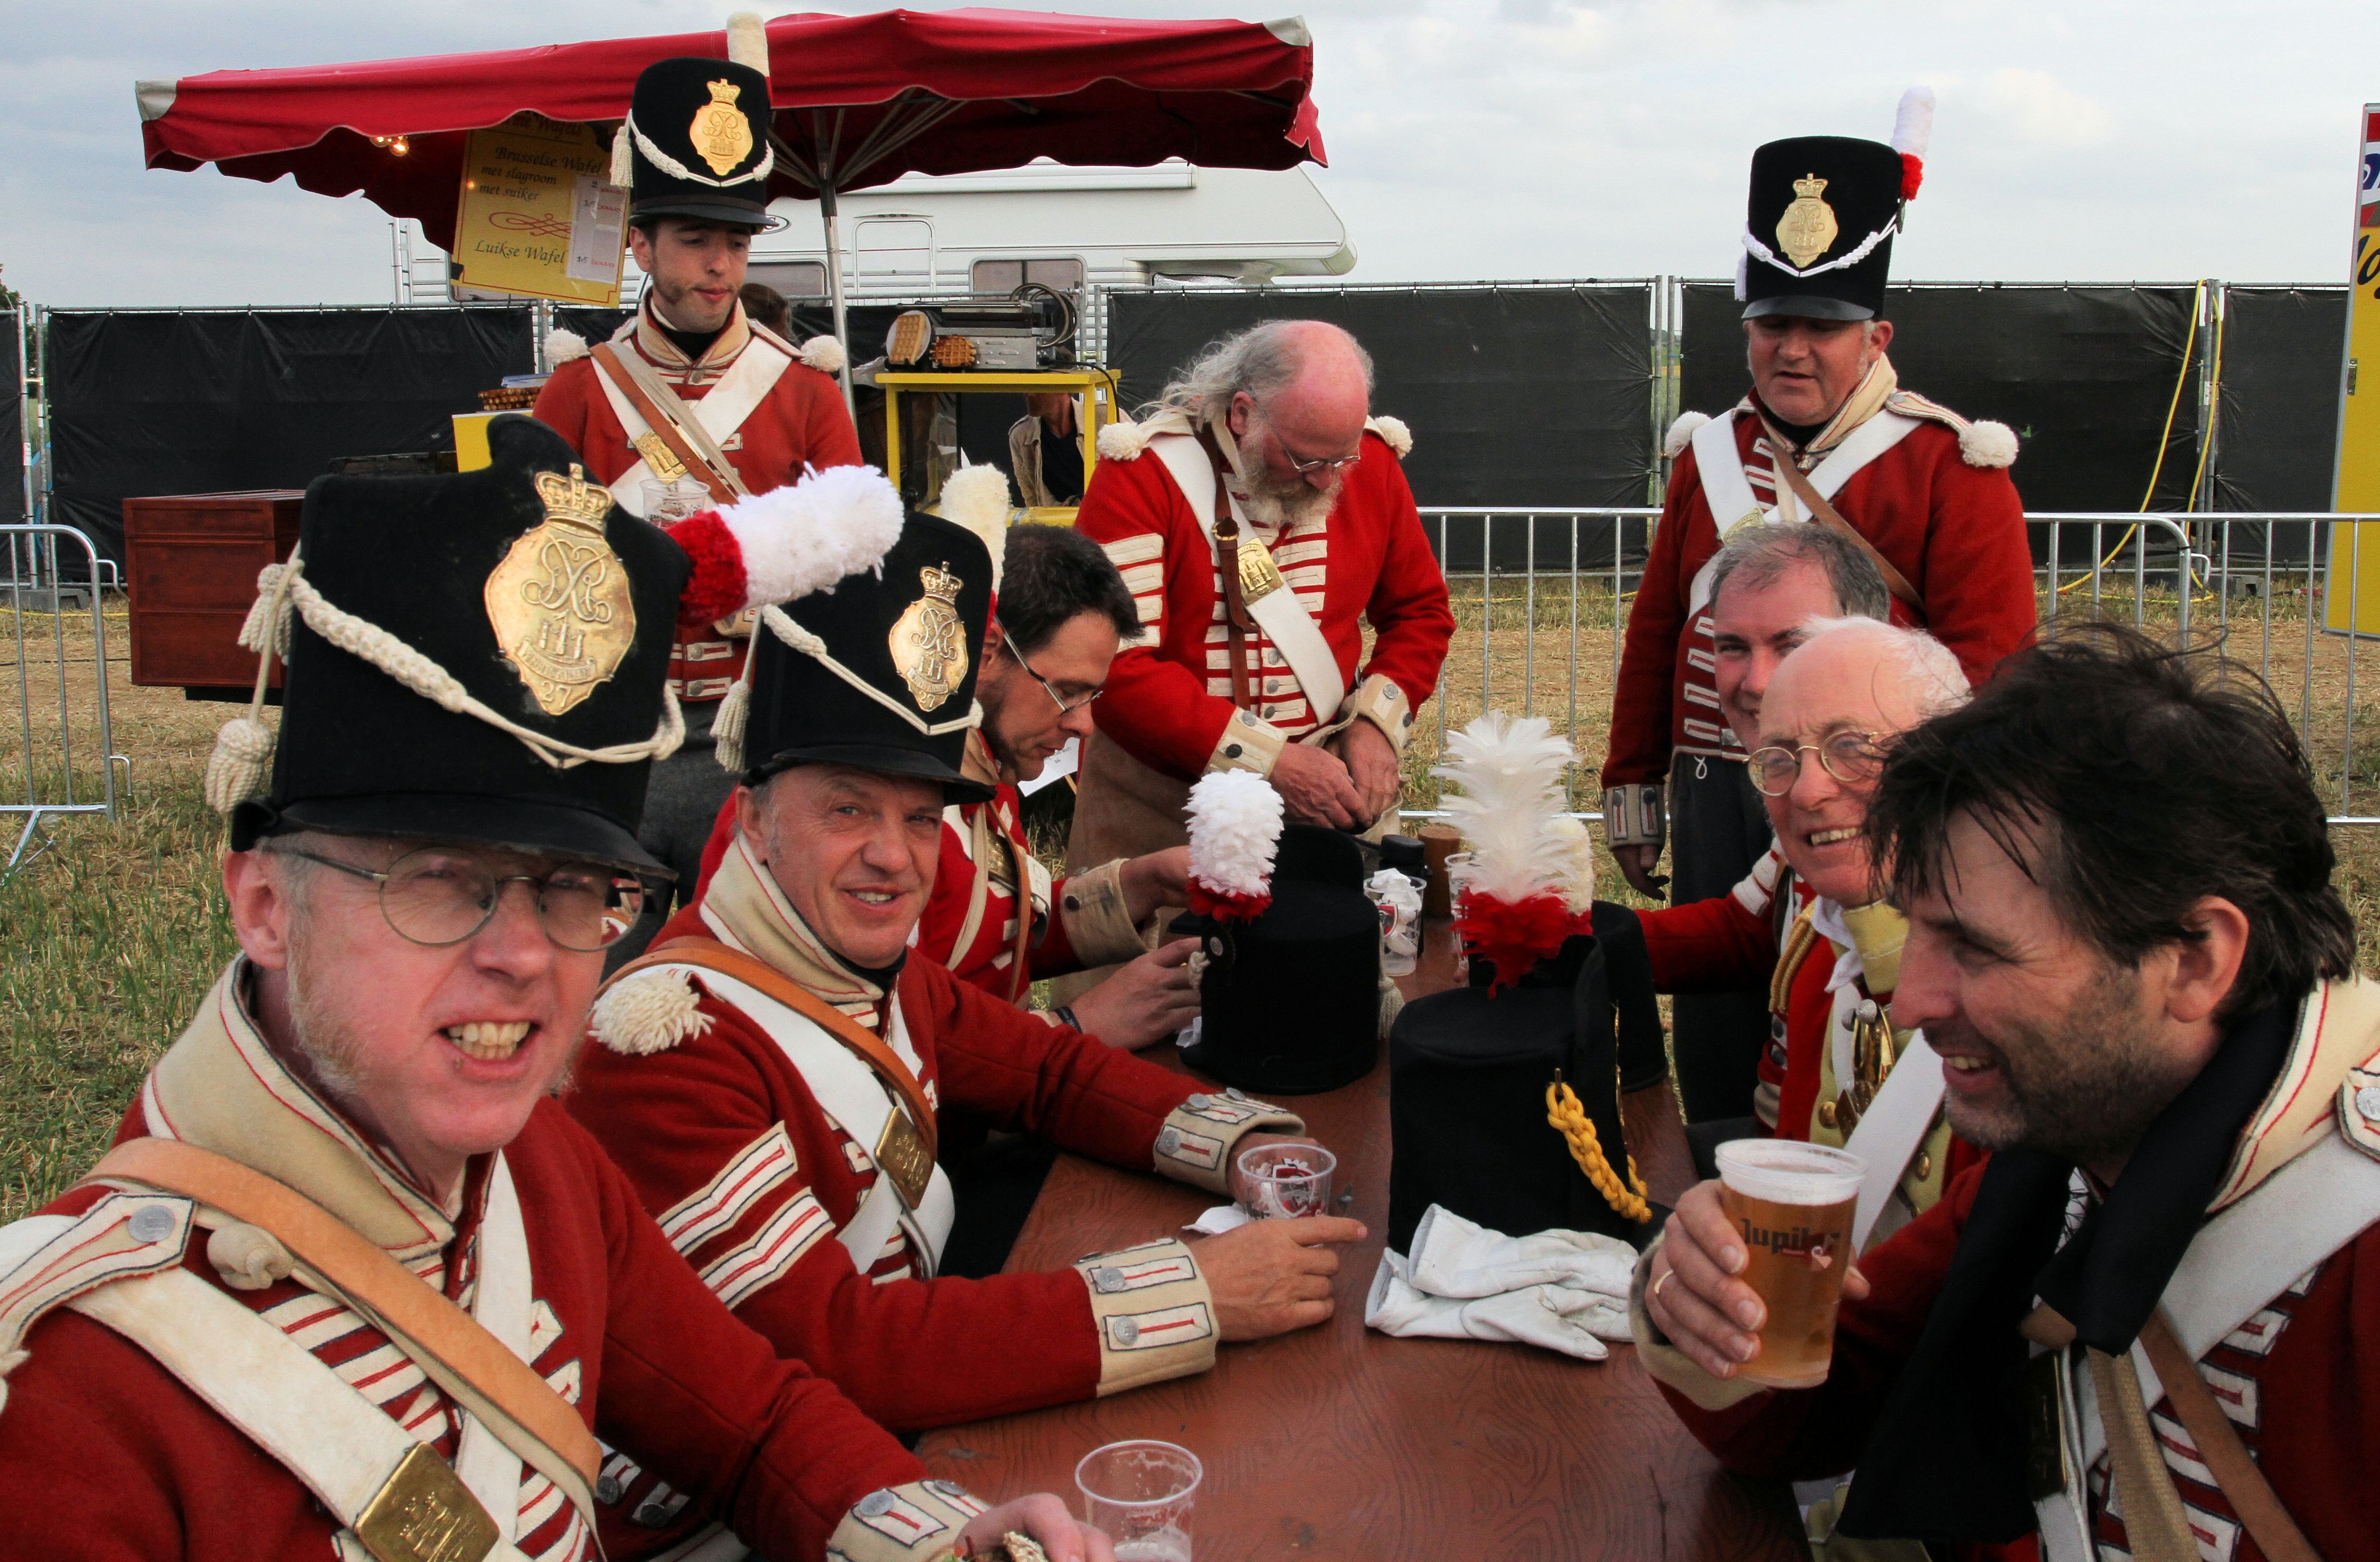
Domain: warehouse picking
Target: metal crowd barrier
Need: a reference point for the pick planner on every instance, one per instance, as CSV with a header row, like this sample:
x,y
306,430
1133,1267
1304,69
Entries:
x,y
1558,576
32,584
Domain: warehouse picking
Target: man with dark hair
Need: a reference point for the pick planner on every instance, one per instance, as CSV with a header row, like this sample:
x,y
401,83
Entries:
x,y
2140,1327
1827,437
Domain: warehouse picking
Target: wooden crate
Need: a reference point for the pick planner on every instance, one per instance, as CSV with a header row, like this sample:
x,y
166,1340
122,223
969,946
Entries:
x,y
190,565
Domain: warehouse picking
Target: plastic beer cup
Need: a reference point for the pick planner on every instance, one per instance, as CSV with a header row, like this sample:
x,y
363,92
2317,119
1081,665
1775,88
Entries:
x,y
1141,1494
1792,1203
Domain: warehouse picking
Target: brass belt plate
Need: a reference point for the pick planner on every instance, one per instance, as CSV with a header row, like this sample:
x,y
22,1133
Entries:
x,y
1259,577
900,1153
424,1513
658,456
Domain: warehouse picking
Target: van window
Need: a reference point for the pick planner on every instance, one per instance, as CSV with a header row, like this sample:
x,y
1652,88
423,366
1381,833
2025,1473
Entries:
x,y
795,279
1006,276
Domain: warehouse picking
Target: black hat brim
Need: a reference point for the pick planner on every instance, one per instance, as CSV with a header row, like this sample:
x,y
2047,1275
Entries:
x,y
512,824
882,759
736,213
1807,305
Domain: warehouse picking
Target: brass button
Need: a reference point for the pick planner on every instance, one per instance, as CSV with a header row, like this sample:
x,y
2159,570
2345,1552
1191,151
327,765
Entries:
x,y
1924,1166
1826,1114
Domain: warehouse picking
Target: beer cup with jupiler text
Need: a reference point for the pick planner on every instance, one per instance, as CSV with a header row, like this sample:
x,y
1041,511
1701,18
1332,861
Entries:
x,y
1792,1203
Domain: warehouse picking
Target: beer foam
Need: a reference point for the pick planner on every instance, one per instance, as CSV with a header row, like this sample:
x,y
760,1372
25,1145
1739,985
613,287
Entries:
x,y
1789,1171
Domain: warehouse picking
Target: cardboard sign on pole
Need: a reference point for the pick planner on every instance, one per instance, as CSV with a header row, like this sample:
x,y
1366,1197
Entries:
x,y
2352,600
537,216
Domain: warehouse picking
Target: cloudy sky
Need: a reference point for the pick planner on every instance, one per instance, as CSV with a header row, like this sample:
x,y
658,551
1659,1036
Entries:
x,y
2082,139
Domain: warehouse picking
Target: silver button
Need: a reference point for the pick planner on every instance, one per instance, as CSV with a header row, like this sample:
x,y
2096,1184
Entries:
x,y
1236,1094
152,1223
1169,1140
1199,1102
1107,1279
875,1504
607,1489
1125,1331
2367,1102
946,1488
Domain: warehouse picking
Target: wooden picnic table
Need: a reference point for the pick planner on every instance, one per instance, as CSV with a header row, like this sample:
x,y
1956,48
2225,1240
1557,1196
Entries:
x,y
1337,1442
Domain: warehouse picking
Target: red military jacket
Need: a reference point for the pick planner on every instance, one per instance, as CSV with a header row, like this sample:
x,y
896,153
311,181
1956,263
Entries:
x,y
800,422
728,1145
1758,934
1955,529
1169,699
105,1456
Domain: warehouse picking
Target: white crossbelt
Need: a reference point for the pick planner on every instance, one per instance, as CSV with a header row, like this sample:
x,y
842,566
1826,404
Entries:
x,y
1727,492
1279,613
721,411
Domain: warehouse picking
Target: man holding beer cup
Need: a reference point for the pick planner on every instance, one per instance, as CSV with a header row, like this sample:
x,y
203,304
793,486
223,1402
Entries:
x,y
2139,1325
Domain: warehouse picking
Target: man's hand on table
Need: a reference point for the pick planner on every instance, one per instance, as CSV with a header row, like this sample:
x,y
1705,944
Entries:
x,y
1315,788
1371,761
1154,880
1269,1277
1044,1518
1692,1292
1145,1001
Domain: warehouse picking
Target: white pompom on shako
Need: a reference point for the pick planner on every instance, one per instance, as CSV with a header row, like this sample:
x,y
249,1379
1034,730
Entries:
x,y
647,1013
824,354
1682,433
747,40
1235,819
1508,771
976,496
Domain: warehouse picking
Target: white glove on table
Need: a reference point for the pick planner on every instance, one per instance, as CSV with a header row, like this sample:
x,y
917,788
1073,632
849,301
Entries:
x,y
1564,1290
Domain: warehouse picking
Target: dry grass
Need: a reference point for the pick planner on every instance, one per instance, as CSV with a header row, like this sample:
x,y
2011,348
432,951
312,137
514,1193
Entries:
x,y
116,931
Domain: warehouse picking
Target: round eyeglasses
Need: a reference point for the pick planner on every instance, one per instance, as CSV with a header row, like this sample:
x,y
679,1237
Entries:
x,y
1853,758
437,896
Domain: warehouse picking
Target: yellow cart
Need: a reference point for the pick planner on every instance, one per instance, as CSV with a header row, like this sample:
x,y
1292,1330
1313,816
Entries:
x,y
1096,393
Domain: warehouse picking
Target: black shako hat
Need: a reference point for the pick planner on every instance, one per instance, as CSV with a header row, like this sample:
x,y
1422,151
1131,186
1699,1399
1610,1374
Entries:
x,y
883,676
1467,1078
1817,236
520,588
696,137
1290,1002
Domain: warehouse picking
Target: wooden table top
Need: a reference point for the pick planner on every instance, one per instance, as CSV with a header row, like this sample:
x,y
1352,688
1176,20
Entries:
x,y
1338,1441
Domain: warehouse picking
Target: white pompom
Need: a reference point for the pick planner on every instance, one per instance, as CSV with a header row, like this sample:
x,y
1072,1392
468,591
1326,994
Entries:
x,y
624,162
1236,818
561,345
976,496
1122,440
1395,431
647,1013
1682,433
727,726
747,40
1912,126
240,768
1987,445
805,537
825,355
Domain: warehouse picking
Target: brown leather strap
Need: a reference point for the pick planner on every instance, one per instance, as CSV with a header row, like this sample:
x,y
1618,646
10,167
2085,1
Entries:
x,y
2155,1528
1827,515
664,427
710,954
2234,1468
1236,621
418,1317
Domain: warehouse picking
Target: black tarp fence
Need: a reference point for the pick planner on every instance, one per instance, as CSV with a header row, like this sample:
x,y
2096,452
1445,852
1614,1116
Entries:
x,y
168,402
1517,395
2277,419
2085,375
12,418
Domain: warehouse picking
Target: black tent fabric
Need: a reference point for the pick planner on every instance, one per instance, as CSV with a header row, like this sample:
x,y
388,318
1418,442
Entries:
x,y
221,400
12,421
2085,375
2277,429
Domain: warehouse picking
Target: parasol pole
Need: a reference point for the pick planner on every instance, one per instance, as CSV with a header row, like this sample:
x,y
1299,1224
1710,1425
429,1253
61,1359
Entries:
x,y
834,291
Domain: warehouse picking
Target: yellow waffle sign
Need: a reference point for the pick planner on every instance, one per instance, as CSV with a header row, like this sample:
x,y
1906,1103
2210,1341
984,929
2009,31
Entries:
x,y
2352,600
537,215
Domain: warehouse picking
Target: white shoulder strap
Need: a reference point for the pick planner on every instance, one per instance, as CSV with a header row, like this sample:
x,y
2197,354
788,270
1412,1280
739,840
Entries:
x,y
737,396
854,1094
1278,613
299,1411
1719,466
1891,1129
503,1307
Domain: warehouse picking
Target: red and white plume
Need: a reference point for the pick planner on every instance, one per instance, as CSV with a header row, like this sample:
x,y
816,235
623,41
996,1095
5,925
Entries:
x,y
1513,903
1234,836
1912,127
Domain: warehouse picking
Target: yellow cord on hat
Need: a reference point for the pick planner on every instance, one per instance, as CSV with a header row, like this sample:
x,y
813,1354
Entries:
x,y
1563,1112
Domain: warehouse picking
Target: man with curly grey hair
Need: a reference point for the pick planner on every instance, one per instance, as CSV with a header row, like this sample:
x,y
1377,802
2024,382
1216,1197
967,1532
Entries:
x,y
1260,517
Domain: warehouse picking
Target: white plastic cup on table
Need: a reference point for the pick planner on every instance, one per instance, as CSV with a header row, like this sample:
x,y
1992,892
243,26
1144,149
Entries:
x,y
1792,1205
667,503
1285,1181
1140,1494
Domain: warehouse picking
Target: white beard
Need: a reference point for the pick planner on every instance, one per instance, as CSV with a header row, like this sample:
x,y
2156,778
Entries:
x,y
1274,514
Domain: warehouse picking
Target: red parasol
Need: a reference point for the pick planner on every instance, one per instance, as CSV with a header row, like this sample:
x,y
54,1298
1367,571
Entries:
x,y
859,101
